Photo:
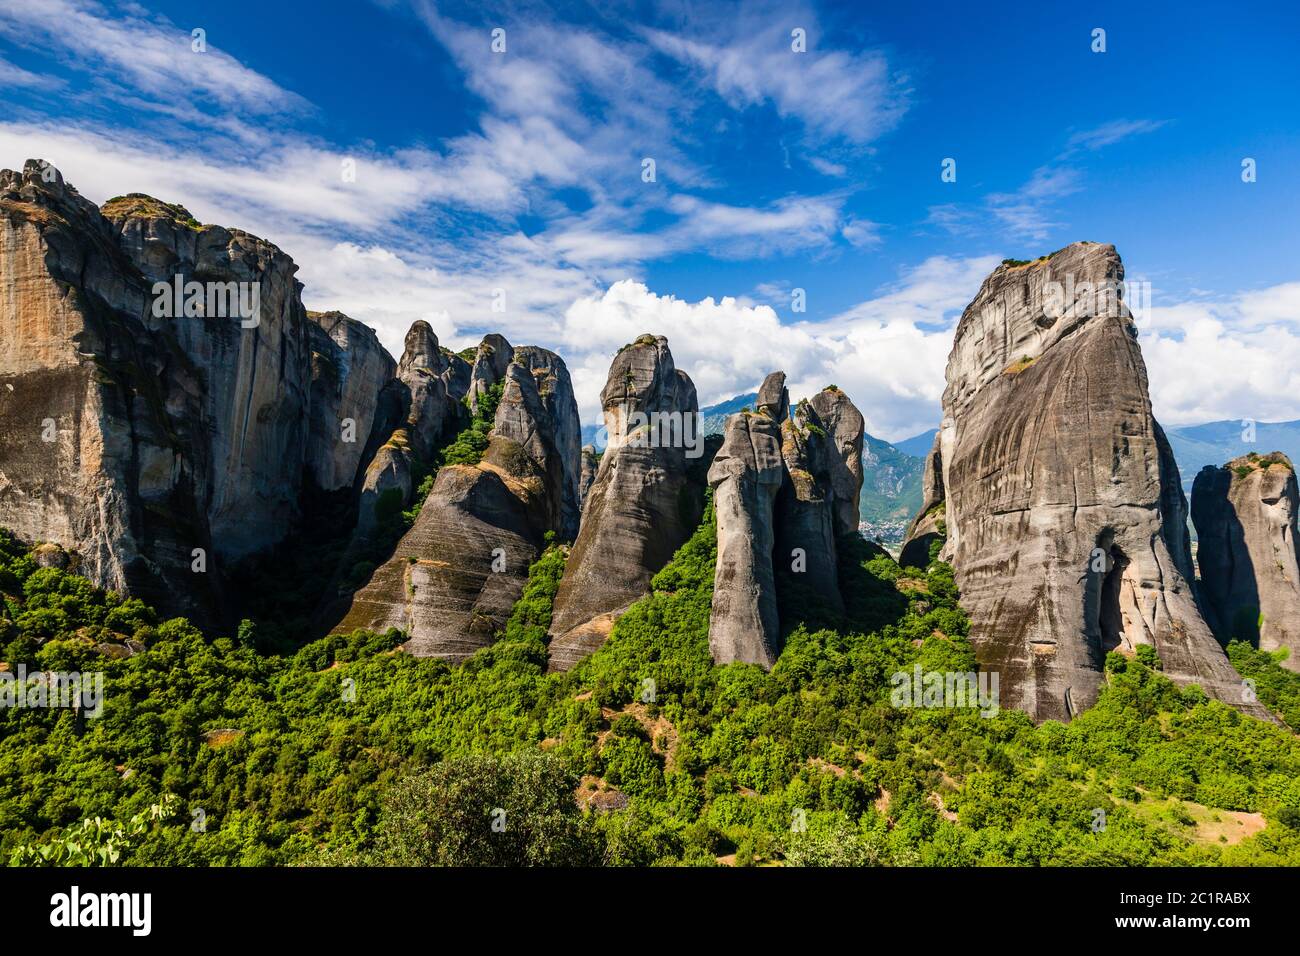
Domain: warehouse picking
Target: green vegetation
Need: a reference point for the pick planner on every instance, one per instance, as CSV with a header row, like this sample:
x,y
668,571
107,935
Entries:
x,y
350,751
466,448
1275,686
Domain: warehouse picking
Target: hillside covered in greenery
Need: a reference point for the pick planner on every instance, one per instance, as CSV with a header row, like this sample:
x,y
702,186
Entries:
x,y
348,751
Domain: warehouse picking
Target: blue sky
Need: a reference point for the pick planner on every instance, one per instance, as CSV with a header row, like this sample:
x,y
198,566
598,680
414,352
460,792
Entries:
x,y
775,170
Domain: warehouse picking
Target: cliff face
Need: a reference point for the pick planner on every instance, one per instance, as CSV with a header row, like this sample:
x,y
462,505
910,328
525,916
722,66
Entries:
x,y
1245,516
349,370
455,575
644,501
256,369
415,414
785,491
1065,520
171,366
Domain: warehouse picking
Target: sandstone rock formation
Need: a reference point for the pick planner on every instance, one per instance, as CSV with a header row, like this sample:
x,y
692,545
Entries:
x,y
587,476
785,491
490,364
806,512
746,475
1065,519
418,412
844,426
349,369
256,381
928,526
455,575
155,387
1245,516
645,501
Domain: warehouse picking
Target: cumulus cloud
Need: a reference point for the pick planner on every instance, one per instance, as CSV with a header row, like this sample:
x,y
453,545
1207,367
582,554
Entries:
x,y
888,352
1231,359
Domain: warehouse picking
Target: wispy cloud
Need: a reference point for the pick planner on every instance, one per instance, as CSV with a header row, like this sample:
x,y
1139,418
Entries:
x,y
1110,133
16,77
854,95
1030,212
151,55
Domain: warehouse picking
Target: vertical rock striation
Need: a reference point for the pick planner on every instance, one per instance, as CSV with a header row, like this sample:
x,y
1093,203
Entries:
x,y
644,503
1245,515
349,369
455,575
785,491
928,526
170,364
746,476
418,411
1065,519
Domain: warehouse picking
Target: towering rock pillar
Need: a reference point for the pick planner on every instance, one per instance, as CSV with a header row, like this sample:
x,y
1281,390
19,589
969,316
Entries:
x,y
644,502
419,411
1248,551
928,526
807,512
1063,510
746,476
843,425
786,490
349,371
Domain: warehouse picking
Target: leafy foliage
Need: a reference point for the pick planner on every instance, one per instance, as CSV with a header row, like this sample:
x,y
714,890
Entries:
x,y
349,750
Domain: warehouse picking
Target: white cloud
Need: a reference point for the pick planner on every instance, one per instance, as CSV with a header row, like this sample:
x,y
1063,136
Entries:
x,y
1232,359
153,56
855,95
887,353
15,76
1110,133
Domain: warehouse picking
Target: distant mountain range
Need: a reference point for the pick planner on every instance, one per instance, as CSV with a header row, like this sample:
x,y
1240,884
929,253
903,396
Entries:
x,y
1217,443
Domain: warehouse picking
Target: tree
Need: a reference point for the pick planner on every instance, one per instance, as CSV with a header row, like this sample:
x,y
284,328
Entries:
x,y
511,810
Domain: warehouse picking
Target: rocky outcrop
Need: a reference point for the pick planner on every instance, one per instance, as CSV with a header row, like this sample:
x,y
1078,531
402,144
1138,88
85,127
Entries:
x,y
349,370
1065,519
558,445
786,491
644,503
454,576
928,526
1245,516
806,519
490,364
155,382
844,427
256,369
587,475
746,476
417,413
